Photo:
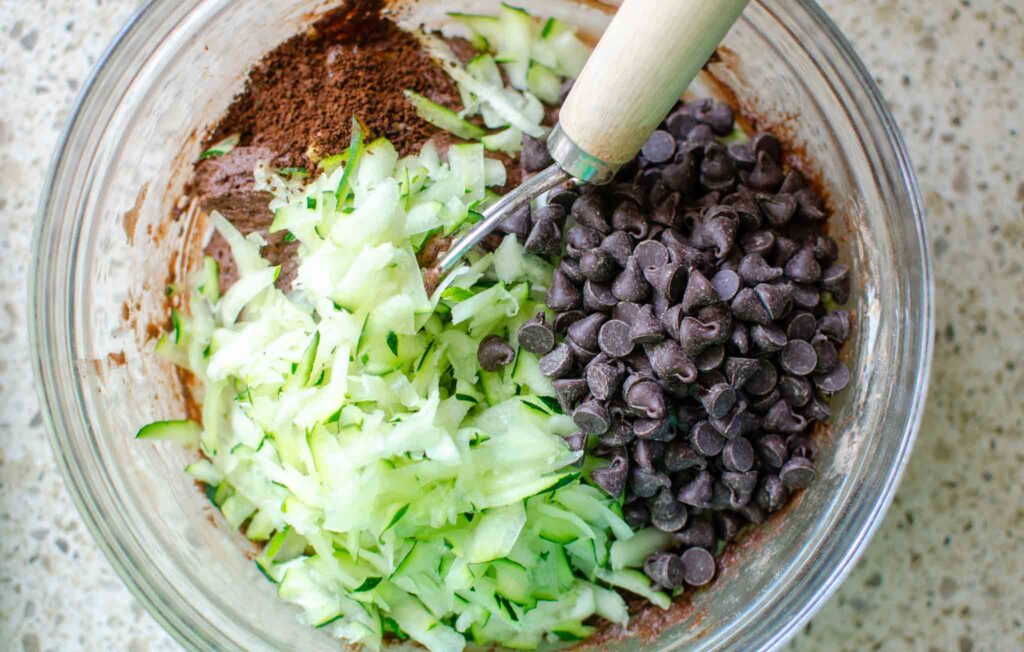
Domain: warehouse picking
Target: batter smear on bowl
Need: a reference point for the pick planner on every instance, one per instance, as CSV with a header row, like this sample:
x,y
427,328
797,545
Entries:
x,y
590,408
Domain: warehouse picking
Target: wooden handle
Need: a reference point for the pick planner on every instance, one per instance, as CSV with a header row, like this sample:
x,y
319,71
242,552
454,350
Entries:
x,y
647,57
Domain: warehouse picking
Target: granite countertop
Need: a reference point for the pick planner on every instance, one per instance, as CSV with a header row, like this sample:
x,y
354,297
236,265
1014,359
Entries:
x,y
944,572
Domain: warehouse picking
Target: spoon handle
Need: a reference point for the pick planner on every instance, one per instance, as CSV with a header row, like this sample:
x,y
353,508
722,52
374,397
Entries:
x,y
646,58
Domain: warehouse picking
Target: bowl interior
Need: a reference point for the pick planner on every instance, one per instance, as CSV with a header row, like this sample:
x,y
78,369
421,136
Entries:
x,y
115,230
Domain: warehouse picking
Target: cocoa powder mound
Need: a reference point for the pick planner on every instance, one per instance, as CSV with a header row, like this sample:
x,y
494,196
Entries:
x,y
300,98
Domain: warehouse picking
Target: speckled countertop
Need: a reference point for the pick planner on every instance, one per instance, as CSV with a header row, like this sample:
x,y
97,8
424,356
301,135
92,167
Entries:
x,y
944,572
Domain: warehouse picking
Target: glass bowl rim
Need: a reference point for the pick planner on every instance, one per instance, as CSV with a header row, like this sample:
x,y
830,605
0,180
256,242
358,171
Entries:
x,y
40,324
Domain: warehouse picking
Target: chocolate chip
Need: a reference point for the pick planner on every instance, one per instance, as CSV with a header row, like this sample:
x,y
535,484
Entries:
x,y
739,370
836,281
800,446
665,569
660,147
592,418
710,358
545,239
620,245
667,514
581,239
535,156
583,356
667,280
726,283
794,181
706,440
742,155
645,483
833,381
795,390
816,409
748,307
772,493
720,227
591,210
738,455
571,268
562,295
680,176
758,242
494,353
536,336
518,223
612,478
654,429
598,265
613,338
811,206
650,253
645,452
604,378
772,450
835,326
781,418
762,382
778,208
550,212
767,175
801,326
645,327
717,115
769,144
826,357
699,533
699,293
680,124
681,252
558,362
646,399
798,358
619,434
717,171
625,311
761,404
767,339
566,319
576,442
668,361
717,399
679,456
695,335
805,296
636,514
627,217
563,196
753,269
569,391
777,298
741,486
697,492
740,338
803,267
584,332
798,473
630,285
824,247
598,297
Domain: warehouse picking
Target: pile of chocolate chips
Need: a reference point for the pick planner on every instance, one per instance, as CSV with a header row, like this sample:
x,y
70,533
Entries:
x,y
694,350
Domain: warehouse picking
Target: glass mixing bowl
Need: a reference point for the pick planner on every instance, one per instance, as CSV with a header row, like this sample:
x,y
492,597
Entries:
x,y
112,229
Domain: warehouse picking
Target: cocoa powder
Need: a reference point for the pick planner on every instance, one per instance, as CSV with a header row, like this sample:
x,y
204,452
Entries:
x,y
300,98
